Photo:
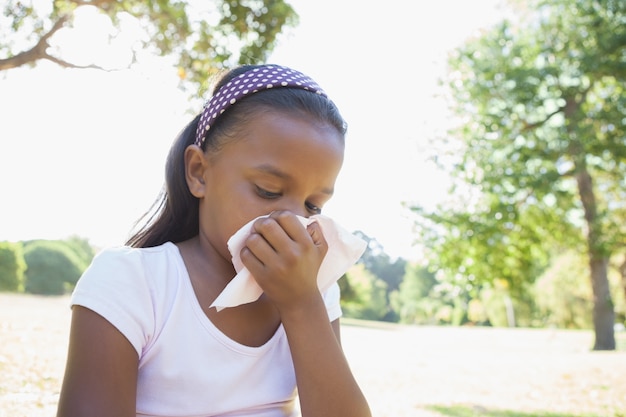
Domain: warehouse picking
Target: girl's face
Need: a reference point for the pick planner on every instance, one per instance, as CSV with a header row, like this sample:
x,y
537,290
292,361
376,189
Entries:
x,y
278,162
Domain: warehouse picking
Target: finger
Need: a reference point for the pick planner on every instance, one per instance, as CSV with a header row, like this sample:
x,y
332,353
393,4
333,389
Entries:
x,y
260,248
291,225
315,231
249,259
255,265
271,231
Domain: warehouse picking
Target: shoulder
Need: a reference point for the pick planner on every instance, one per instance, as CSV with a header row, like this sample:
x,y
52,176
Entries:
x,y
127,285
119,256
131,271
132,262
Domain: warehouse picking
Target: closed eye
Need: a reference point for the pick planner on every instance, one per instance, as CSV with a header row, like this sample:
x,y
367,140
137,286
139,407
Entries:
x,y
263,193
271,195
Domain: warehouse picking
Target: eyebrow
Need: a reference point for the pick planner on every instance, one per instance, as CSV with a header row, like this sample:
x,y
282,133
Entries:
x,y
272,170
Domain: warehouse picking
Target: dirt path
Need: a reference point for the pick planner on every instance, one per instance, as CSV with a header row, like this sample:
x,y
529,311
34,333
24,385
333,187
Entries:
x,y
402,369
405,369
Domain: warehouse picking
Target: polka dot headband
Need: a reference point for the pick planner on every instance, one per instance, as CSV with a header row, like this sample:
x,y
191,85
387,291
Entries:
x,y
250,82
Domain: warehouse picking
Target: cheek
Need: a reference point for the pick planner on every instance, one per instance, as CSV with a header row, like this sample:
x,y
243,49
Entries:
x,y
243,205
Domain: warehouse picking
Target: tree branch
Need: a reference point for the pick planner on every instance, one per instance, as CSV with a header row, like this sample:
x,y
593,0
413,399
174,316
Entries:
x,y
66,64
36,52
40,50
570,106
530,126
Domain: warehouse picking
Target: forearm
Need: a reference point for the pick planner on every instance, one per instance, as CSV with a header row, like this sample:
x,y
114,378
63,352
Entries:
x,y
326,385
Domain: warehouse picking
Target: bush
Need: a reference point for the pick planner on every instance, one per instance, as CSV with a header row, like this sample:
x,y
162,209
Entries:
x,y
504,308
52,267
563,293
496,302
369,298
12,266
83,249
476,312
413,301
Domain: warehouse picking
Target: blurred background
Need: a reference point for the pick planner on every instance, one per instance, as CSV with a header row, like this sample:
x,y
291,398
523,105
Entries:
x,y
486,152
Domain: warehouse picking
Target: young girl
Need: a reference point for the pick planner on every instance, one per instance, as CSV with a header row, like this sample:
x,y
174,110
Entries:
x,y
144,340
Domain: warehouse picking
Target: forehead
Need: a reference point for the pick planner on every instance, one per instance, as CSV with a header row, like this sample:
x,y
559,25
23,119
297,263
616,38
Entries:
x,y
292,129
292,143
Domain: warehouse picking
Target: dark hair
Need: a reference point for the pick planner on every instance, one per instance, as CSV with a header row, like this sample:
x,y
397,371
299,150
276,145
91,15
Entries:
x,y
174,215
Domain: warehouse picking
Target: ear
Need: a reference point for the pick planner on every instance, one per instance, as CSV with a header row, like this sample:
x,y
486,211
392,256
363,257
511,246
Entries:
x,y
195,168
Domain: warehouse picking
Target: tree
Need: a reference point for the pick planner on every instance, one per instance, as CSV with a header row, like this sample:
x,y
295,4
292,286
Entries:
x,y
380,265
12,267
543,147
563,295
52,267
412,301
622,271
369,301
82,248
201,37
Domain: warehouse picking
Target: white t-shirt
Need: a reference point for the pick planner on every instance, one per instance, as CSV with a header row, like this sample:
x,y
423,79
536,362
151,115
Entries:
x,y
187,366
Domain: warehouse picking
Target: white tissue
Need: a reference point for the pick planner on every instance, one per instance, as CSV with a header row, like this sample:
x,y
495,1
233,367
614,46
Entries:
x,y
344,249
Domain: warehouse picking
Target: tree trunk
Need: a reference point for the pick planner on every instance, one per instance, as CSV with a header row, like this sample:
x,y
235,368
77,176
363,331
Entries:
x,y
622,271
603,311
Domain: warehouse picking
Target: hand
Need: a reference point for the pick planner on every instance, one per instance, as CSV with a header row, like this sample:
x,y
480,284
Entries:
x,y
284,257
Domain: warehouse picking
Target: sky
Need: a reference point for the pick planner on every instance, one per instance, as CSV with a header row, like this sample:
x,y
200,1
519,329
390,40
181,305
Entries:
x,y
82,152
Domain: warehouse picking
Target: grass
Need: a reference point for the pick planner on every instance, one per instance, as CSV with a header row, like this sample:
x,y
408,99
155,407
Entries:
x,y
620,342
477,411
404,371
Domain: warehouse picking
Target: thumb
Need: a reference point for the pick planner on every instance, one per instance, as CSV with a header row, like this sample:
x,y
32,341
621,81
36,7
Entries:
x,y
315,231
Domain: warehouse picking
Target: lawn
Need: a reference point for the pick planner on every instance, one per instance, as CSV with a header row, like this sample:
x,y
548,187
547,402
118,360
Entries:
x,y
403,370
